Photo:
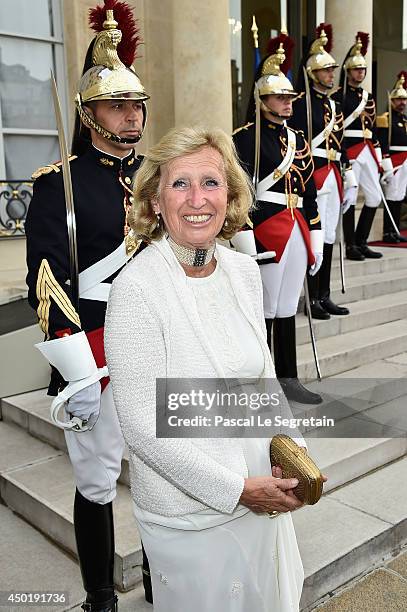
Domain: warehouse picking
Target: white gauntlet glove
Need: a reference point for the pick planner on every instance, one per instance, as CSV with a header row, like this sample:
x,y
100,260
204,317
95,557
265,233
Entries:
x,y
388,170
349,198
244,242
73,358
316,266
317,245
379,154
85,404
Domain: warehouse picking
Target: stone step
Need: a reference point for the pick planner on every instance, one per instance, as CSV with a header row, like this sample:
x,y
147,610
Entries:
x,y
31,412
24,369
361,404
353,349
365,313
364,287
351,529
354,458
393,259
31,562
350,393
359,527
36,482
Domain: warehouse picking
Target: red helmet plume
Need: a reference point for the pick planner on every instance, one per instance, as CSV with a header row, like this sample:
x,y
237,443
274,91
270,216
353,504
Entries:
x,y
402,73
123,14
364,39
288,44
327,28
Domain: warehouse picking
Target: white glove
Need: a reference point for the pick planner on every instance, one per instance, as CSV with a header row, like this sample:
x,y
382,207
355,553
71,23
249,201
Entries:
x,y
388,170
349,198
244,242
85,404
318,263
317,245
379,154
386,178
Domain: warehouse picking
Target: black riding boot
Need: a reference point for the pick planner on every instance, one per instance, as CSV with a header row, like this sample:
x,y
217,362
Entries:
x,y
348,220
95,543
389,233
285,361
317,310
325,284
363,230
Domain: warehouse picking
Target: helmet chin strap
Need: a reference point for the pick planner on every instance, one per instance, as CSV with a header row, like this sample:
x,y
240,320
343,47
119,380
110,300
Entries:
x,y
90,122
267,109
324,85
353,79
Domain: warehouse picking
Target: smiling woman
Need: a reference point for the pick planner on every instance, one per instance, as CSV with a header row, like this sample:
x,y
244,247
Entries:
x,y
172,177
189,308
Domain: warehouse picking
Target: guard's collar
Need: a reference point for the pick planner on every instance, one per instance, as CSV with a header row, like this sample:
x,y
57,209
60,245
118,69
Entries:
x,y
112,161
272,125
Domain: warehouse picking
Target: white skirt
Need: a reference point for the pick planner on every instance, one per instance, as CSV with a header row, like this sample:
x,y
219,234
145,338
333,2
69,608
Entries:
x,y
212,562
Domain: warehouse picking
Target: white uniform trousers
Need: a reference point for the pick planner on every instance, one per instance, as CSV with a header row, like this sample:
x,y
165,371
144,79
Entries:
x,y
283,281
395,188
329,204
96,455
367,177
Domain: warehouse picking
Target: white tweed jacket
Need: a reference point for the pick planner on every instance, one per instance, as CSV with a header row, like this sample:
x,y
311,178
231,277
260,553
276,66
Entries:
x,y
153,330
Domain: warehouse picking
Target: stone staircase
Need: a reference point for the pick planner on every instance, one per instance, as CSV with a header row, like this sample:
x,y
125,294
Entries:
x,y
341,536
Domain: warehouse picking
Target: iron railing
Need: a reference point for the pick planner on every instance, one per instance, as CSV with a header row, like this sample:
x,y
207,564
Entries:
x,y
15,197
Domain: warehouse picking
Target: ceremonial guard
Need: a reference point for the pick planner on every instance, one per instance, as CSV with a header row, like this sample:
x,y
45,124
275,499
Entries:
x,y
321,120
392,132
96,243
363,148
285,218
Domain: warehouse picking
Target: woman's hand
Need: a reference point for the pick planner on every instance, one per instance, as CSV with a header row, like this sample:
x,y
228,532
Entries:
x,y
270,494
277,472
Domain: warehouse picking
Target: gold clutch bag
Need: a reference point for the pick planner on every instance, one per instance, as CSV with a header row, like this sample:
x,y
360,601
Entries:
x,y
296,463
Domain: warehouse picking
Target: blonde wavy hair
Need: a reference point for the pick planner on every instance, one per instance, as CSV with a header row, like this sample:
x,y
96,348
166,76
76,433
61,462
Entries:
x,y
177,143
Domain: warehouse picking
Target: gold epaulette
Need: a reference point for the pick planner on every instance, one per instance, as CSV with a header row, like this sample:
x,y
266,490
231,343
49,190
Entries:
x,y
243,127
55,167
382,121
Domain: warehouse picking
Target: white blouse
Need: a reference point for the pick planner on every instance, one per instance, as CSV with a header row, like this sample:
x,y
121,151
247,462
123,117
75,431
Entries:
x,y
228,331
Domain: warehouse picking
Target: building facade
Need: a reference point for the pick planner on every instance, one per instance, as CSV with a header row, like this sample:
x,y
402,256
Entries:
x,y
196,62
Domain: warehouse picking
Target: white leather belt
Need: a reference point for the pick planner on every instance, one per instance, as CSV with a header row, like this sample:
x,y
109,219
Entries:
x,y
331,154
99,292
353,133
398,148
91,286
281,198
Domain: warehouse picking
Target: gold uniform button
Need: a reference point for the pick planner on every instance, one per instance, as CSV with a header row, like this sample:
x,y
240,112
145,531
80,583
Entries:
x,y
127,180
400,124
336,127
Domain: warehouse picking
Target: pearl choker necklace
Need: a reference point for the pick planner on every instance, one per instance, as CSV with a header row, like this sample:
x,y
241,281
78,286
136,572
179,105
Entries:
x,y
191,257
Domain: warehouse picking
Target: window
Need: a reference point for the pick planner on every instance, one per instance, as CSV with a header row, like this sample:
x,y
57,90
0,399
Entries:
x,y
31,45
